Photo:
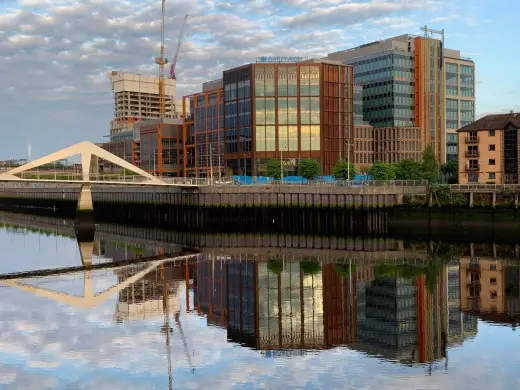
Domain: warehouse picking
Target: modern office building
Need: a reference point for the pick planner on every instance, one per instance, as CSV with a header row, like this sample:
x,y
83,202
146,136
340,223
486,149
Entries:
x,y
204,132
288,111
404,84
460,97
161,146
488,151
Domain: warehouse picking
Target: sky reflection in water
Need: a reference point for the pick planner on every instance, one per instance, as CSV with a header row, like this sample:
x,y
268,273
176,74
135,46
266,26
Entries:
x,y
272,323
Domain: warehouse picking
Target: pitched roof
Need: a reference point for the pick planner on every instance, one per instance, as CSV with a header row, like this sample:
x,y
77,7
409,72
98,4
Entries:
x,y
493,122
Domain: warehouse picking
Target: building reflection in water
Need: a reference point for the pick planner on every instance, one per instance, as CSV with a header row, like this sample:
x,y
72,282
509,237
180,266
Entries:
x,y
405,313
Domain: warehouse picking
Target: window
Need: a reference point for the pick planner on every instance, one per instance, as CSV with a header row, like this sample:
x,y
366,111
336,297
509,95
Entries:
x,y
493,267
491,133
492,175
491,161
492,147
493,294
493,280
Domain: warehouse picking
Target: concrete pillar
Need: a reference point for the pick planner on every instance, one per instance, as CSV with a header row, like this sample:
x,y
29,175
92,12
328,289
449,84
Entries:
x,y
430,201
494,199
516,200
85,199
471,199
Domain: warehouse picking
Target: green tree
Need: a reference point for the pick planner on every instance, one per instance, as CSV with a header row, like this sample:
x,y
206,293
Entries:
x,y
408,169
310,267
382,171
342,170
451,170
430,166
309,169
273,168
275,266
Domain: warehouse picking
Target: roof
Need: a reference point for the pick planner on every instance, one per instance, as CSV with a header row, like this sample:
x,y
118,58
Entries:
x,y
493,122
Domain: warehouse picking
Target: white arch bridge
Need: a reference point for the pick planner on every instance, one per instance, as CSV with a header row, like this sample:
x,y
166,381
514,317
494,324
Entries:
x,y
89,157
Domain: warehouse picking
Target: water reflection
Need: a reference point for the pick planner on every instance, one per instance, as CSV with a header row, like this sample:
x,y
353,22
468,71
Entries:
x,y
325,316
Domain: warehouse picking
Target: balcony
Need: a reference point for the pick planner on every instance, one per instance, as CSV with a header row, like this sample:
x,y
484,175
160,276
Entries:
x,y
472,140
472,167
472,153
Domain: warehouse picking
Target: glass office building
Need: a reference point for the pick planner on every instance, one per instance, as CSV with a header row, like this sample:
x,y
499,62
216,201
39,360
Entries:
x,y
289,111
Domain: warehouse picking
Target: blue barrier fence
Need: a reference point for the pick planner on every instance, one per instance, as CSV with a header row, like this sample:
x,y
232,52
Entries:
x,y
297,180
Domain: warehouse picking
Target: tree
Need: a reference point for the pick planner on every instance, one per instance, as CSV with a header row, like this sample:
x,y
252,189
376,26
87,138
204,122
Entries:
x,y
309,169
310,267
408,169
275,266
273,168
342,170
382,171
451,170
430,165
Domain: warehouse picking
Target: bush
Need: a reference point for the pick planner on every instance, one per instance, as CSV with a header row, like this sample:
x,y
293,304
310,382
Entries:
x,y
309,169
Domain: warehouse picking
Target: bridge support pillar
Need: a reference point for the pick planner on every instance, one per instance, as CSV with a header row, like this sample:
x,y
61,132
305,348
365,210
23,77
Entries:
x,y
85,225
494,199
471,199
516,200
85,199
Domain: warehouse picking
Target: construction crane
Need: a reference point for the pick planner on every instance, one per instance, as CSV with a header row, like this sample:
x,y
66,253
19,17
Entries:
x,y
167,330
177,50
161,61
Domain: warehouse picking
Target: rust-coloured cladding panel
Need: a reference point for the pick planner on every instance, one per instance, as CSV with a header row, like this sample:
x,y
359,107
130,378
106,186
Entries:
x,y
334,111
340,321
418,82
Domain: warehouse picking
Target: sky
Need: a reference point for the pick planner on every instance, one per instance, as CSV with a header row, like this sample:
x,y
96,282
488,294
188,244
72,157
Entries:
x,y
55,55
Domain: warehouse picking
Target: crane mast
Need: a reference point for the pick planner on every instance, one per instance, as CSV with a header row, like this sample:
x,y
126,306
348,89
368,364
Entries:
x,y
161,61
177,50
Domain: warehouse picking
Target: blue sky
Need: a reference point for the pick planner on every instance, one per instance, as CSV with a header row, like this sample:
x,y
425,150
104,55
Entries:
x,y
55,54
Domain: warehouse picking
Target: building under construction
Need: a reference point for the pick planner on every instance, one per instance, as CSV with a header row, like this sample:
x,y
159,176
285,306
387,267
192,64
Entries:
x,y
136,98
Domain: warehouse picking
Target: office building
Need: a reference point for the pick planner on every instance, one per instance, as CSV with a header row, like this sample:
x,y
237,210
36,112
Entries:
x,y
393,144
204,132
161,146
288,111
404,84
460,97
488,151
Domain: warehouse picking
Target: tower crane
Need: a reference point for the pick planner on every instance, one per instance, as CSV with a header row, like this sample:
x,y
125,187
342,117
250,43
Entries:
x,y
177,50
161,61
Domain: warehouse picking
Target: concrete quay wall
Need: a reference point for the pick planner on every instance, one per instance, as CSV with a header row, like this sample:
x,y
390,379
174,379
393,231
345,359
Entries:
x,y
217,196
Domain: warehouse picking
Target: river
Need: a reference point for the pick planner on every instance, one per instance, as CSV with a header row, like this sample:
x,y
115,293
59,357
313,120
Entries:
x,y
158,310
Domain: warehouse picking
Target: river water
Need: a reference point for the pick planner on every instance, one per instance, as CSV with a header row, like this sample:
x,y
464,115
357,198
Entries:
x,y
245,313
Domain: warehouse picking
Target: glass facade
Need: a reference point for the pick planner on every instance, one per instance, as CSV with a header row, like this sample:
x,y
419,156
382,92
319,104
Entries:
x,y
283,110
388,88
238,117
205,135
460,103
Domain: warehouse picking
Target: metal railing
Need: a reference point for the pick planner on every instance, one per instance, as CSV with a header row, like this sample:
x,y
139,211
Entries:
x,y
484,187
472,153
472,140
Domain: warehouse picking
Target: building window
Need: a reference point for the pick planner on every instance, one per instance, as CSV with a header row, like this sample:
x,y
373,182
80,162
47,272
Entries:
x,y
491,133
493,280
491,161
492,175
493,267
493,294
492,147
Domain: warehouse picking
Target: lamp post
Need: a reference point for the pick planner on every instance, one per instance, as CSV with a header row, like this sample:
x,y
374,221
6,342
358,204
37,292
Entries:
x,y
348,160
211,162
